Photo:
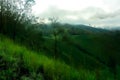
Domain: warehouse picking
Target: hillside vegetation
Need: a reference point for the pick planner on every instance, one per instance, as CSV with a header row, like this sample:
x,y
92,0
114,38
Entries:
x,y
20,63
17,62
32,50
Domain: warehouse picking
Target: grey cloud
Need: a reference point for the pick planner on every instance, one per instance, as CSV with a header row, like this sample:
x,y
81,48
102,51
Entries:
x,y
106,15
80,14
91,15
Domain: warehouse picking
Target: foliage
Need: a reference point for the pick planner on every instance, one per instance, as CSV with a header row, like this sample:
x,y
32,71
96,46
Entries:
x,y
54,51
17,62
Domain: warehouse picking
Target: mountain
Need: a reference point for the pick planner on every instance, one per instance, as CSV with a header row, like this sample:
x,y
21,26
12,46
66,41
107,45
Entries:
x,y
18,62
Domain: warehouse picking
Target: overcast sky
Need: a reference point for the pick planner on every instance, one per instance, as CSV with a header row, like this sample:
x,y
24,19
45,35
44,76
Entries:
x,y
94,12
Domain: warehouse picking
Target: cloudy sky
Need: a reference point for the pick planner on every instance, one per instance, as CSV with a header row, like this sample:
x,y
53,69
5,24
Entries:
x,y
95,12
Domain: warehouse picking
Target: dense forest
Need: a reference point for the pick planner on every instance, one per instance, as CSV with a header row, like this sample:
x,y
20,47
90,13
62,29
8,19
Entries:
x,y
32,50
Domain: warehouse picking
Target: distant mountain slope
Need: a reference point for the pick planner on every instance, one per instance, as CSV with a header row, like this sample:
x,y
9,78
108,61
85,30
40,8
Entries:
x,y
81,39
73,29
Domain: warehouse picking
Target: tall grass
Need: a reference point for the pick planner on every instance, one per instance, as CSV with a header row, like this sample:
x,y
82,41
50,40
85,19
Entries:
x,y
23,64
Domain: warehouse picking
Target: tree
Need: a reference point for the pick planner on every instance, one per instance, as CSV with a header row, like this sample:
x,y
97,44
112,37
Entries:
x,y
13,14
54,24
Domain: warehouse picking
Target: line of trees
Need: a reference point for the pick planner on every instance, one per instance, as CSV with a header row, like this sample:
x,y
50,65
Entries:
x,y
17,22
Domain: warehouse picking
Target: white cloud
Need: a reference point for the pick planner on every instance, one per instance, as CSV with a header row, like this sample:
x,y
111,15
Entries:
x,y
96,12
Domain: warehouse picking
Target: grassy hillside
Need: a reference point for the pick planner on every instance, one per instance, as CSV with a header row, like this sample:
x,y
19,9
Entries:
x,y
19,63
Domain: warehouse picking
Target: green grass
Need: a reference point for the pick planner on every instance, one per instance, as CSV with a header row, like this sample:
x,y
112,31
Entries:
x,y
19,63
17,57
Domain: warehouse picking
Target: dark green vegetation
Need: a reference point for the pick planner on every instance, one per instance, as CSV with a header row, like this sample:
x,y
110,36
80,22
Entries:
x,y
39,51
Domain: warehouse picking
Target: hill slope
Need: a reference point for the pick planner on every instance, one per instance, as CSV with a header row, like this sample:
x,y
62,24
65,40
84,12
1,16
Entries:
x,y
19,63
